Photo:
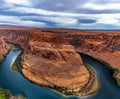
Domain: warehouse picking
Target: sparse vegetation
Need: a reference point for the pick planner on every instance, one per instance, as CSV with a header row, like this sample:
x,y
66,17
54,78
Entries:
x,y
2,96
14,67
5,94
17,64
1,59
116,75
64,90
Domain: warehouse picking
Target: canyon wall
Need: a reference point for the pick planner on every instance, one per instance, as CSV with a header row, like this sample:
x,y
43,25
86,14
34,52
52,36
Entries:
x,y
50,56
105,46
3,48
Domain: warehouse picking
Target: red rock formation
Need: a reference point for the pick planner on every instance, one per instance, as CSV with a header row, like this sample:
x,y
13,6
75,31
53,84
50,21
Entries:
x,y
105,46
49,59
57,63
3,48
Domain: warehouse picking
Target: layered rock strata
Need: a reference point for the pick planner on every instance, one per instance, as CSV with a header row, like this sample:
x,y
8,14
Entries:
x,y
3,48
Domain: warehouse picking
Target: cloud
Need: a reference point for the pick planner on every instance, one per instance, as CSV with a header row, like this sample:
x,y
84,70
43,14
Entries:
x,y
43,12
68,19
109,21
109,6
18,2
61,20
53,19
61,13
17,21
58,5
40,11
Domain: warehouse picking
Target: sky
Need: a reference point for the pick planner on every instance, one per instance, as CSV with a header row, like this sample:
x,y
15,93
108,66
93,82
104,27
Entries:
x,y
78,14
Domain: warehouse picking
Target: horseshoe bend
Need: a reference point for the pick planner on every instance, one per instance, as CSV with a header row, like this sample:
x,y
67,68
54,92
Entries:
x,y
51,56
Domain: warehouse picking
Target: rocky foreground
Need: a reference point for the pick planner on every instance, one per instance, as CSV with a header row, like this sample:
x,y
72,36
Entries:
x,y
50,56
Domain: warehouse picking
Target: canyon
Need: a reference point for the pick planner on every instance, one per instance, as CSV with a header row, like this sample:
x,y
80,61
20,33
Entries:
x,y
51,56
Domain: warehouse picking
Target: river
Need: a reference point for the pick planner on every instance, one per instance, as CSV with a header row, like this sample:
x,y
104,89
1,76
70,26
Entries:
x,y
20,86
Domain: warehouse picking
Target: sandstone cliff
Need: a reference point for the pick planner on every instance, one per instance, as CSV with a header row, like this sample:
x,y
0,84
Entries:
x,y
105,46
57,63
3,48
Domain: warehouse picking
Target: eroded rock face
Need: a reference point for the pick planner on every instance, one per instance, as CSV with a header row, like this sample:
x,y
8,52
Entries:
x,y
105,46
55,66
3,48
50,61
